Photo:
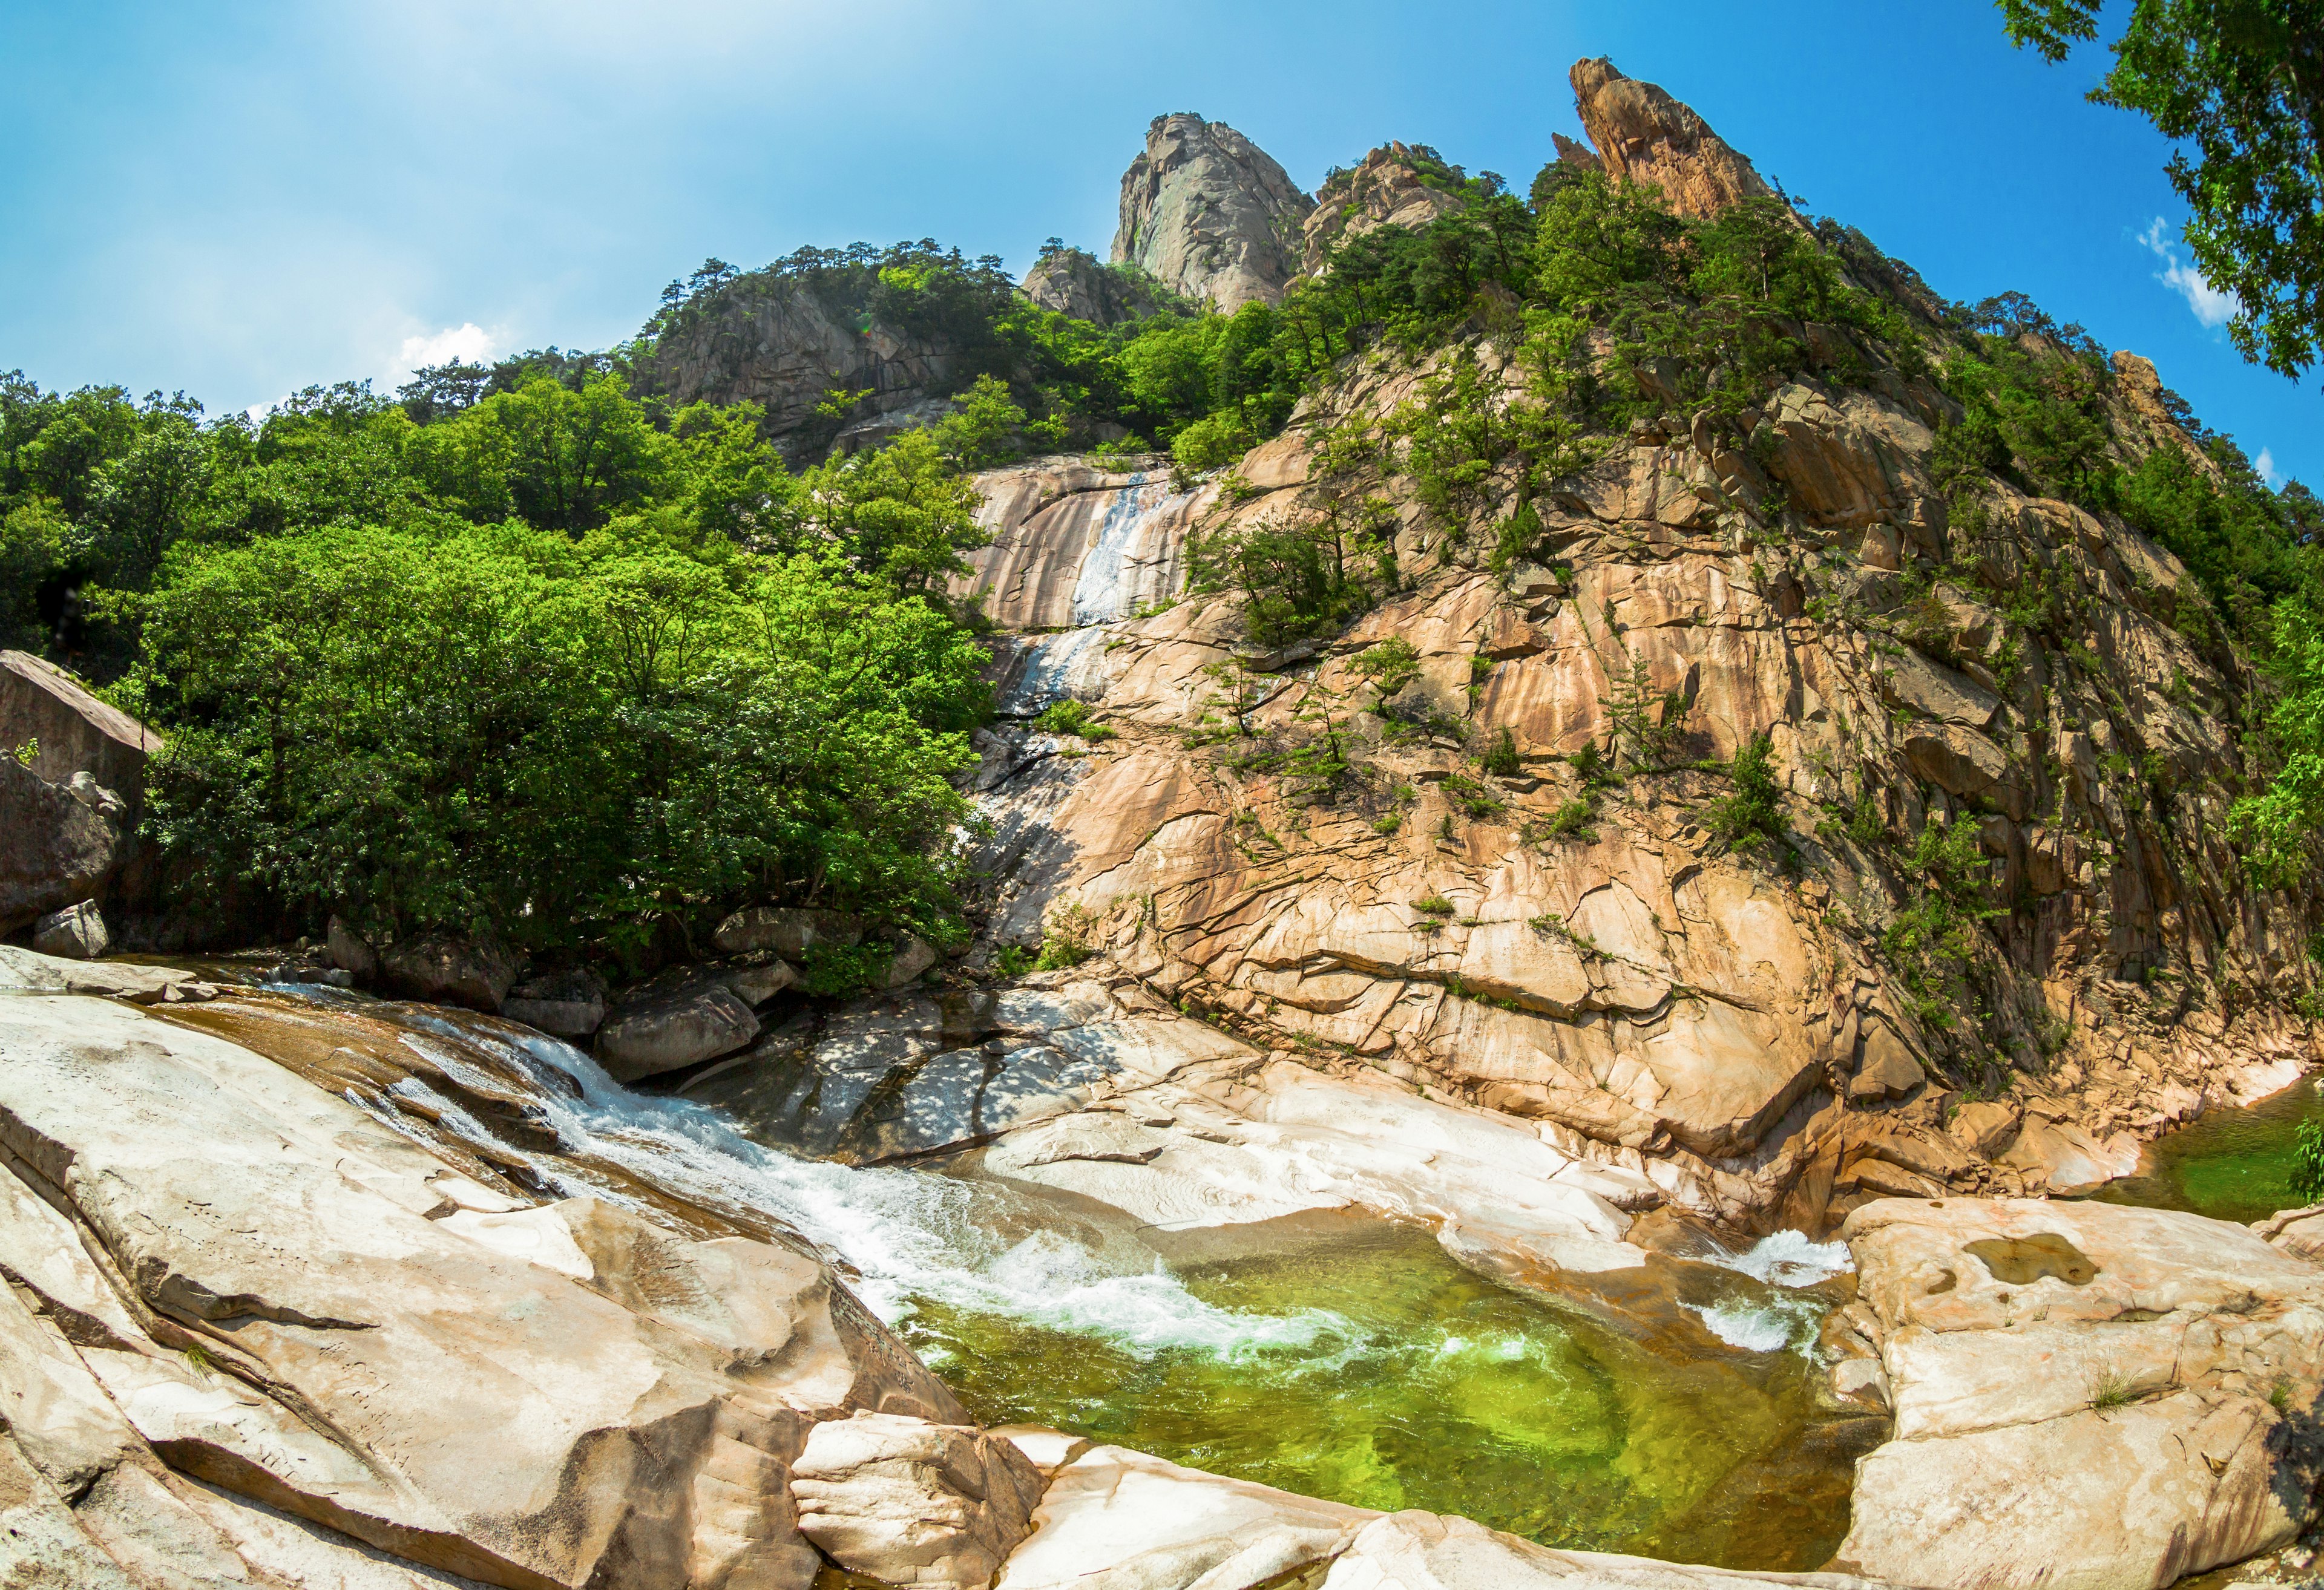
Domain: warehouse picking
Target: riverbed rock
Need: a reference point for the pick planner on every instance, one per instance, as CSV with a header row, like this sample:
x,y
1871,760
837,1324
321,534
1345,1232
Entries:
x,y
1118,1517
910,1503
29,971
76,932
1210,215
554,1394
1416,1550
681,1029
2086,1394
447,970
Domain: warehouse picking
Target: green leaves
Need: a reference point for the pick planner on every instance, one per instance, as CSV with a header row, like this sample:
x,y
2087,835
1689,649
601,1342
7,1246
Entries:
x,y
504,729
2239,86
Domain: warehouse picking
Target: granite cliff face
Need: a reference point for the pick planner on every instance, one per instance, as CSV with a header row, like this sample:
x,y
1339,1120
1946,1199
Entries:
x,y
1210,215
778,344
1738,1034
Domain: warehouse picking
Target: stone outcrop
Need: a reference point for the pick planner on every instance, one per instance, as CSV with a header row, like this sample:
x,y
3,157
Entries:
x,y
1396,185
2091,1395
1594,963
55,849
40,704
1210,215
1073,281
1642,134
72,775
772,341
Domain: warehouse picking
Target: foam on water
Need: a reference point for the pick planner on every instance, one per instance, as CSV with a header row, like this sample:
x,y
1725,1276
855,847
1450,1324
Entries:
x,y
1787,1258
1755,1326
902,1235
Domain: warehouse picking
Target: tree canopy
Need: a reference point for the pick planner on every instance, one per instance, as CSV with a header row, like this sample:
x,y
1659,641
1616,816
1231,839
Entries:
x,y
2239,84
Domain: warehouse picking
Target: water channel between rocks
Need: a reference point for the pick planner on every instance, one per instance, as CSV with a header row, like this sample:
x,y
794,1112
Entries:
x,y
1341,1358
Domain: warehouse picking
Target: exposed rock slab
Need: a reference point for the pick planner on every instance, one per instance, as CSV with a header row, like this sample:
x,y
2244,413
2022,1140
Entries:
x,y
397,1350
2089,1394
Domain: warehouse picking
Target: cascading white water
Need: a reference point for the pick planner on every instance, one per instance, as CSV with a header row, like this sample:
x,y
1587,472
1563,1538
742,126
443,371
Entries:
x,y
1135,556
902,1235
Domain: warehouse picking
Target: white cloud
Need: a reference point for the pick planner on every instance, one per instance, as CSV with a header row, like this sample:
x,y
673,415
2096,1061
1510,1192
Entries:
x,y
468,343
2265,467
2211,307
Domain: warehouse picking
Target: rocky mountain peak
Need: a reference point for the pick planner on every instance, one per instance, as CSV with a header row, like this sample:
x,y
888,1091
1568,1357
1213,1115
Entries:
x,y
1073,281
1211,215
1396,185
1642,134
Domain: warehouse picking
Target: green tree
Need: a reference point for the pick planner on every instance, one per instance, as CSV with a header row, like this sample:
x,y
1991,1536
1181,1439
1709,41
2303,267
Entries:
x,y
2239,85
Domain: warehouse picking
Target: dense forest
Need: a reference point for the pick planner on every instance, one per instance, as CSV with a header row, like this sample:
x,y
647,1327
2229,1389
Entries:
x,y
529,651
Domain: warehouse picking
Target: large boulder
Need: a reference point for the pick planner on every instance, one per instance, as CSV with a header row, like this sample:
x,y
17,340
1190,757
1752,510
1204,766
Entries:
x,y
447,970
76,932
681,1029
569,1003
910,1503
1210,215
790,931
327,1319
2086,1396
54,850
76,731
1644,135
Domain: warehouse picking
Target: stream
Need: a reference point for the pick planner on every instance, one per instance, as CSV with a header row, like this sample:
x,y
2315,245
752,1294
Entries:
x,y
1334,1356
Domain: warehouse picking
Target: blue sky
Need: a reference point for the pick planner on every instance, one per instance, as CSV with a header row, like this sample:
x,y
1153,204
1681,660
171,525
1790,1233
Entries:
x,y
237,199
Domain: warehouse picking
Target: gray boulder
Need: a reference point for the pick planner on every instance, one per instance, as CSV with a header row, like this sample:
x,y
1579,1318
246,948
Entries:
x,y
790,931
681,1029
76,932
350,951
54,850
567,1004
912,960
1210,215
447,970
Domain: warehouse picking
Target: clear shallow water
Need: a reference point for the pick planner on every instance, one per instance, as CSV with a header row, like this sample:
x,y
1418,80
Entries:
x,y
2230,1164
1349,1358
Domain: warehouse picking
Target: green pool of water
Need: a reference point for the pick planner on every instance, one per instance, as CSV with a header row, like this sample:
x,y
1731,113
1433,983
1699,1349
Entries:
x,y
2231,1165
1425,1386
